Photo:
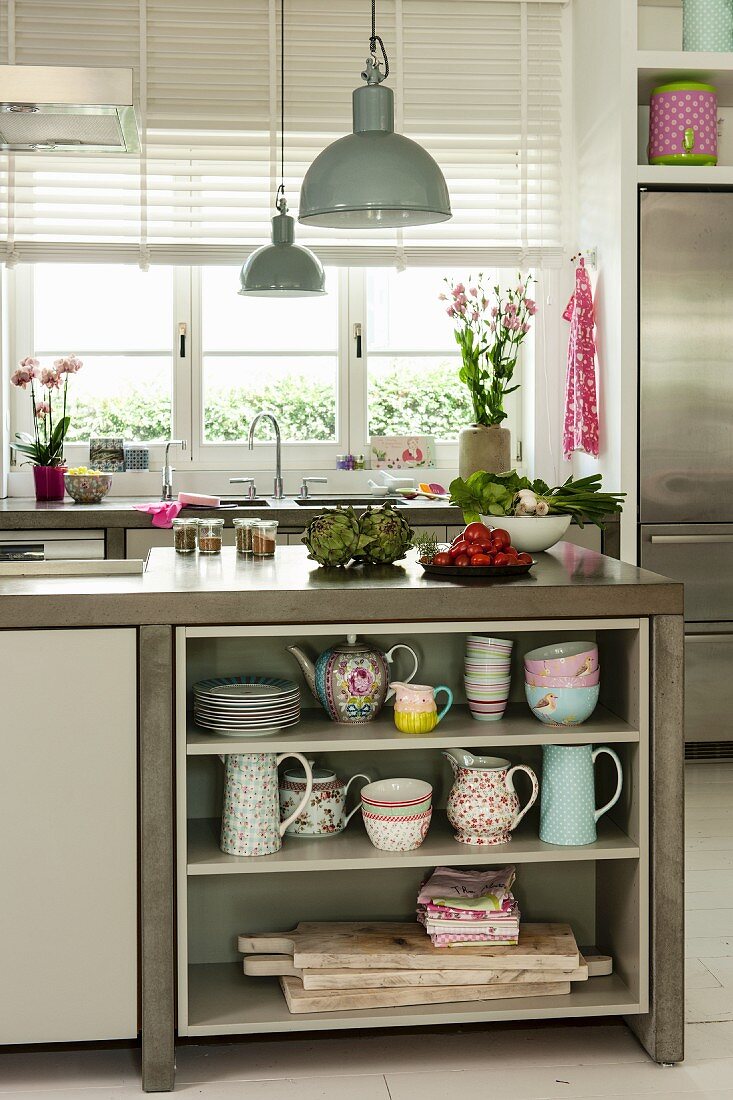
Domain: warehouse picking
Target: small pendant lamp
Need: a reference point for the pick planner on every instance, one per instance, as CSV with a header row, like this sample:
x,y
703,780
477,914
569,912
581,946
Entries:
x,y
373,178
282,269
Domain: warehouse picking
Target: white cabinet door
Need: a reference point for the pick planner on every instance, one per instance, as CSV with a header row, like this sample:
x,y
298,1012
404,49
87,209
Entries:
x,y
68,842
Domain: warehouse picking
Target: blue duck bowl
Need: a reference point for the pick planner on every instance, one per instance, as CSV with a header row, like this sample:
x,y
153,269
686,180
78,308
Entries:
x,y
562,706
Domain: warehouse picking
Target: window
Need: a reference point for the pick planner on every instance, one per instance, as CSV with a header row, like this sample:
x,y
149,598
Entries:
x,y
297,358
119,321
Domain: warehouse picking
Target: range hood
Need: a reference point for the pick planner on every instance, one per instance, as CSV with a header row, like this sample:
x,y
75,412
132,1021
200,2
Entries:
x,y
60,109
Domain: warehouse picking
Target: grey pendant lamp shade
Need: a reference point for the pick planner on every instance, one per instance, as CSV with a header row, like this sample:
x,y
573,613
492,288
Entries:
x,y
282,269
373,178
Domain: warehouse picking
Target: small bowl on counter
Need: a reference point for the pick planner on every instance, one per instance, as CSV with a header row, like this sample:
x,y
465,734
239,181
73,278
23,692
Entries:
x,y
87,487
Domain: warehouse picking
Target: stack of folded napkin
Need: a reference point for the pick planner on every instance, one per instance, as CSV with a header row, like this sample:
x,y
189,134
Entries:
x,y
465,907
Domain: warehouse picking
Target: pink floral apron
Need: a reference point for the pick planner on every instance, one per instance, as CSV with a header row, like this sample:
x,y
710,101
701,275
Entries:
x,y
581,396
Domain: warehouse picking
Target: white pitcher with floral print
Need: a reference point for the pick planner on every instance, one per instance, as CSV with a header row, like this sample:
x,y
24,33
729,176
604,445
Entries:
x,y
483,806
250,820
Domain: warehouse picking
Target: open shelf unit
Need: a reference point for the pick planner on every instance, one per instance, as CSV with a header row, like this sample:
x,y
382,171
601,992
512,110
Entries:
x,y
601,889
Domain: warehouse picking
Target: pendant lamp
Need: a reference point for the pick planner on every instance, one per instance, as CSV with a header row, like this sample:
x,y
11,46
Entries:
x,y
373,178
282,269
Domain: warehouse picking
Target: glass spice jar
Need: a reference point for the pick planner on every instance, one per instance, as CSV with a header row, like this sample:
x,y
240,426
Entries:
x,y
264,538
243,534
184,535
211,533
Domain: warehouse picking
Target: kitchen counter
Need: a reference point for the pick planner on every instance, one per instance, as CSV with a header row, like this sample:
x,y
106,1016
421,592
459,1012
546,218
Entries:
x,y
193,589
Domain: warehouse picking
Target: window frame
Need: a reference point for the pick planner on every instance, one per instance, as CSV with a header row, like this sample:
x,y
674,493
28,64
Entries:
x,y
187,376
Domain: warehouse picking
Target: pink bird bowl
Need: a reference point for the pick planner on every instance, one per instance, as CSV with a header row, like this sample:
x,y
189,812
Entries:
x,y
563,659
535,679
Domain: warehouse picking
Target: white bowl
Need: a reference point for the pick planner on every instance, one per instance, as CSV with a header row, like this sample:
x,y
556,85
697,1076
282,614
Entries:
x,y
531,534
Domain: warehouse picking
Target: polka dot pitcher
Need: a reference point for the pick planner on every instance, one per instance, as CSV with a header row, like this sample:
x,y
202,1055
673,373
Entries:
x,y
568,812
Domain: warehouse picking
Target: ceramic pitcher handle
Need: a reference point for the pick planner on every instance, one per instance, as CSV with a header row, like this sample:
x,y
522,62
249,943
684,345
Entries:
x,y
449,704
308,787
349,816
532,797
619,786
389,658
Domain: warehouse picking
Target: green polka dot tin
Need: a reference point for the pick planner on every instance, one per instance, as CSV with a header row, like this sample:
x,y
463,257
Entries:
x,y
707,25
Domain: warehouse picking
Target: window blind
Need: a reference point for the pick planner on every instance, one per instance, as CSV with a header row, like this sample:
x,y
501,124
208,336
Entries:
x,y
477,82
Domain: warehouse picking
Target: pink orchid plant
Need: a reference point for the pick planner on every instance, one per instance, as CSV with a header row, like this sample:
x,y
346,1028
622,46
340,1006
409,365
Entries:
x,y
47,384
490,326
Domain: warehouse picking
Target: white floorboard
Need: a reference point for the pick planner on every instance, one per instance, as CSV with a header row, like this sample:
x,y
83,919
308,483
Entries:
x,y
578,1061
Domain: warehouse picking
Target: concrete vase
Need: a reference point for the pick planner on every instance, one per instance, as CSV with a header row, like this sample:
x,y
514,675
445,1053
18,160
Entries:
x,y
482,448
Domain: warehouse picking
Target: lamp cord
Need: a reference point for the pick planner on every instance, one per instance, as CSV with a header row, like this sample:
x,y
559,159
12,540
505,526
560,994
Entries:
x,y
374,38
280,193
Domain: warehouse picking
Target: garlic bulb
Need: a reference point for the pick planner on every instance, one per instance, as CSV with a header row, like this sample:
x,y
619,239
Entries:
x,y
542,509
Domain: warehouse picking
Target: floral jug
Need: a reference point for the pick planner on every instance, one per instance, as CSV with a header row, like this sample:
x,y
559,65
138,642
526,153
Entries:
x,y
415,710
483,806
250,820
324,815
351,680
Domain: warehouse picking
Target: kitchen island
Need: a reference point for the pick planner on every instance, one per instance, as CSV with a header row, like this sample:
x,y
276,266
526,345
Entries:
x,y
191,617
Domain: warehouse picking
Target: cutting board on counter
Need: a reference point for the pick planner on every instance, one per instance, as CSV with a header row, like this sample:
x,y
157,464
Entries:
x,y
403,945
280,966
345,1000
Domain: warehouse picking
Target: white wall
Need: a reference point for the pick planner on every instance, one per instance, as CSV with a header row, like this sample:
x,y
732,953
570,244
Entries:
x,y
604,64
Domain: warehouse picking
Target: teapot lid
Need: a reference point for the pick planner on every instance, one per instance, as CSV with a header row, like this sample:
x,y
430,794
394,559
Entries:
x,y
297,775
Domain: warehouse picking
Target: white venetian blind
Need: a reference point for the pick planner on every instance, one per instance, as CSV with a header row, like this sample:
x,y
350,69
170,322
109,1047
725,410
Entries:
x,y
478,82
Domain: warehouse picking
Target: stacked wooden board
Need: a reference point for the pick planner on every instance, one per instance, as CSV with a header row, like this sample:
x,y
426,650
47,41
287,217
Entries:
x,y
332,967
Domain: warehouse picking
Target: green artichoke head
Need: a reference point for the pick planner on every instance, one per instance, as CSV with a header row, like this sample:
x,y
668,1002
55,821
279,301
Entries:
x,y
388,535
333,538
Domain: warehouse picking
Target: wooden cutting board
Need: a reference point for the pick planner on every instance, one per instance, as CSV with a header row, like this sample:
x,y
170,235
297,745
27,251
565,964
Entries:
x,y
301,1000
282,966
386,945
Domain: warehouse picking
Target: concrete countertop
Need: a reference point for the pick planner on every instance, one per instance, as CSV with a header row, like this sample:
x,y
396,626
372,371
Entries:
x,y
26,513
566,582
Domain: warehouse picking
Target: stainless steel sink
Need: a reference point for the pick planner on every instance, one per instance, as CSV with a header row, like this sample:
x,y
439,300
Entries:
x,y
357,502
258,502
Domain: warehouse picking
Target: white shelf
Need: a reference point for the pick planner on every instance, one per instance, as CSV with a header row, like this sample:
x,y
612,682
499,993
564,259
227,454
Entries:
x,y
664,66
352,850
316,733
222,1001
683,175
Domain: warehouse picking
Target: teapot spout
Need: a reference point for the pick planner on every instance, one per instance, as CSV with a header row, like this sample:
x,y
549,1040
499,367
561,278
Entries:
x,y
459,758
307,666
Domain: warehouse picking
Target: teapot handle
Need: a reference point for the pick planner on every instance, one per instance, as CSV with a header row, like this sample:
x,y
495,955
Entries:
x,y
389,658
308,787
351,813
532,797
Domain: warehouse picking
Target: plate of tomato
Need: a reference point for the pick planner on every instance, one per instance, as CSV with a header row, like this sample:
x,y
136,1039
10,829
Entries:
x,y
479,551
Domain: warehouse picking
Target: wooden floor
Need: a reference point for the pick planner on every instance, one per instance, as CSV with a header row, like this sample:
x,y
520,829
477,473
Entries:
x,y
570,1061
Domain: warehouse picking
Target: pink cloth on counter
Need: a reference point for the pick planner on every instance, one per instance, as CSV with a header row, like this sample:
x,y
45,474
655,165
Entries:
x,y
581,394
162,511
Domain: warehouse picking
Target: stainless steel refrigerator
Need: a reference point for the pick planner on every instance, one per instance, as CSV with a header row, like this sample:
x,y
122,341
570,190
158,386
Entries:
x,y
686,435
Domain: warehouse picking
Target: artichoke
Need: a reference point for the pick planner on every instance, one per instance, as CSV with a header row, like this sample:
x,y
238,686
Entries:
x,y
388,535
334,538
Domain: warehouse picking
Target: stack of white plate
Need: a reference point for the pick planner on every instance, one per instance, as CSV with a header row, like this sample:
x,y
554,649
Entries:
x,y
246,706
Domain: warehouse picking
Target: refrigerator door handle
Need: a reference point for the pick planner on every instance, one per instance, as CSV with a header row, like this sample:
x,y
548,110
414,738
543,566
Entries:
x,y
689,539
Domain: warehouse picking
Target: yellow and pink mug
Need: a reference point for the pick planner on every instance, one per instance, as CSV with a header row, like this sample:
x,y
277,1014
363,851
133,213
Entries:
x,y
415,710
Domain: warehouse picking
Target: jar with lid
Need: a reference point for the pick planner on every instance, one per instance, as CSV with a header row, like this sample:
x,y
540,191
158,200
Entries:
x,y
243,526
264,538
184,535
211,533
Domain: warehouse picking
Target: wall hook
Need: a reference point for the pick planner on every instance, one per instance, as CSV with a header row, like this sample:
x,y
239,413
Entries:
x,y
590,255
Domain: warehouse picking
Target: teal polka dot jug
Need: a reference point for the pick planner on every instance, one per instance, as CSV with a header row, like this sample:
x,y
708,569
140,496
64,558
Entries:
x,y
707,25
568,812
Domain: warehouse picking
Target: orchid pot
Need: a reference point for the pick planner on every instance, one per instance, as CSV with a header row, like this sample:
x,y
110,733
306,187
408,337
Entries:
x,y
44,449
49,482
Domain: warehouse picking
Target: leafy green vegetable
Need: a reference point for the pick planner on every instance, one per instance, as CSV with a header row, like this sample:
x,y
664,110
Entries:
x,y
481,494
496,495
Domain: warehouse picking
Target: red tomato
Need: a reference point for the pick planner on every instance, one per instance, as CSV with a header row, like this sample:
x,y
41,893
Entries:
x,y
500,536
462,559
524,559
482,559
474,548
458,548
443,558
501,559
476,531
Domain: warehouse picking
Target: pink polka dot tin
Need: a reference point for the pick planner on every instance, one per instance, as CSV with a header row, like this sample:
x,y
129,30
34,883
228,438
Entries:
x,y
683,124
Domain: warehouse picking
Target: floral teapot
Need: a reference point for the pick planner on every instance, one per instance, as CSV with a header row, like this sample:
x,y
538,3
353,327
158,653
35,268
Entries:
x,y
483,806
351,680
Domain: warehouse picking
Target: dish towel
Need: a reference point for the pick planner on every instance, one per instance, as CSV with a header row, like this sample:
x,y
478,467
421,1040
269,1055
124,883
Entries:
x,y
162,511
581,396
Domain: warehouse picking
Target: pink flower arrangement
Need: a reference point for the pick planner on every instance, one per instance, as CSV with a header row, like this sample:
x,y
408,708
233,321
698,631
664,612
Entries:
x,y
490,327
46,446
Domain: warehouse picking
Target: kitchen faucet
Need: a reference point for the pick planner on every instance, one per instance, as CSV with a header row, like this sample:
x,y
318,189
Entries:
x,y
167,488
278,484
